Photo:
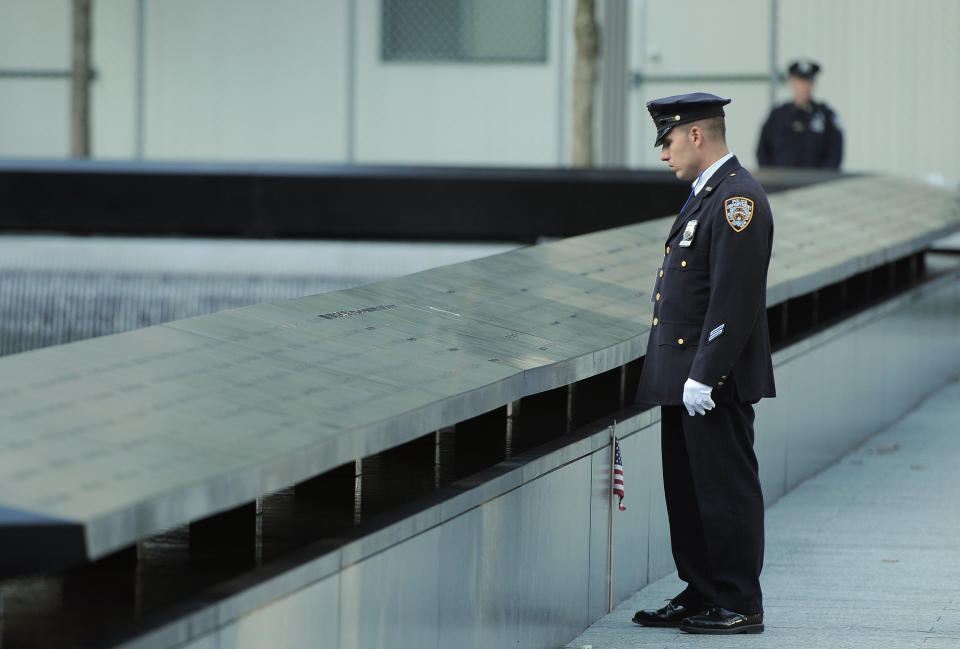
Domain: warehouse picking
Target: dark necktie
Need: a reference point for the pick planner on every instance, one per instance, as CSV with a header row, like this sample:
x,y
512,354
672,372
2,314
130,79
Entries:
x,y
692,191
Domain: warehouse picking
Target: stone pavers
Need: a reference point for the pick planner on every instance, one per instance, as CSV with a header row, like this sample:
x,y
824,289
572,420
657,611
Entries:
x,y
865,554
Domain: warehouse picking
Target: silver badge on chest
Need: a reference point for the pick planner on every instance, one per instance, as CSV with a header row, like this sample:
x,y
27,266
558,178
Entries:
x,y
688,233
818,123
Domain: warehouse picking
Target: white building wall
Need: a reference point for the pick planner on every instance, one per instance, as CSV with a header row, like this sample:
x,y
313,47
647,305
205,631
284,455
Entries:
x,y
460,113
890,68
113,96
246,80
301,80
892,71
679,39
34,113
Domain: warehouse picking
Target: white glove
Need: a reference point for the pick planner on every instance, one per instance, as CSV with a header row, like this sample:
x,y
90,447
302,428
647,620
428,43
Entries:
x,y
696,397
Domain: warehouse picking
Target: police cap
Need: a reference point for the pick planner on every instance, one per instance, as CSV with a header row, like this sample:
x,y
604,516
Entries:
x,y
804,68
681,109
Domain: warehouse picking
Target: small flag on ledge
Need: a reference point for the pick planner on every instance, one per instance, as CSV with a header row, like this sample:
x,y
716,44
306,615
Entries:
x,y
618,474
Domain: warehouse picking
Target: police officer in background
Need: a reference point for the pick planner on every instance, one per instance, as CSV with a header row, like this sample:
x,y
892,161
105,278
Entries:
x,y
803,132
707,361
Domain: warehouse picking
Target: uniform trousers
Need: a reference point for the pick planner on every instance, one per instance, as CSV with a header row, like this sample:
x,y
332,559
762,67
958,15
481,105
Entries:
x,y
715,505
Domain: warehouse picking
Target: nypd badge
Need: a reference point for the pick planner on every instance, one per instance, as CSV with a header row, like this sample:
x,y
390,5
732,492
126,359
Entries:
x,y
688,233
739,211
818,123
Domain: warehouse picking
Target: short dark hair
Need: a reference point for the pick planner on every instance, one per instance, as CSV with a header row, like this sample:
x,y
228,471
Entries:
x,y
715,127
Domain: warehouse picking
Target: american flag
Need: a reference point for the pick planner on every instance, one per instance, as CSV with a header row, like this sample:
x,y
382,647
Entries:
x,y
618,473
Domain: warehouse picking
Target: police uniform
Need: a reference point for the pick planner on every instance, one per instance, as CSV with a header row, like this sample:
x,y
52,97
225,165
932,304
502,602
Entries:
x,y
710,324
795,136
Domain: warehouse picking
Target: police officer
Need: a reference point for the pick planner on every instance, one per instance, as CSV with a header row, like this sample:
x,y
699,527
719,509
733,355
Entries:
x,y
803,132
707,361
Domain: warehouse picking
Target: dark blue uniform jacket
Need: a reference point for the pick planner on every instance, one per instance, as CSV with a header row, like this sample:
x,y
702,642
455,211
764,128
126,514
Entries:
x,y
795,137
710,319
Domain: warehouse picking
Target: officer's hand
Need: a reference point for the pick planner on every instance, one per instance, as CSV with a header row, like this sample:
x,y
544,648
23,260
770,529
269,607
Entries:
x,y
696,397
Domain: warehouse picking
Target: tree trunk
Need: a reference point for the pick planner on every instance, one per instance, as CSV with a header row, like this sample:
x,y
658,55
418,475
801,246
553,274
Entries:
x,y
584,80
80,82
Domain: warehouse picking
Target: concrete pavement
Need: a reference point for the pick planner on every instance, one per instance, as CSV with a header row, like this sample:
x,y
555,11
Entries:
x,y
864,555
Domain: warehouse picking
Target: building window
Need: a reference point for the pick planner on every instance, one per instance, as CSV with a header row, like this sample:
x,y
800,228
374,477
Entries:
x,y
471,31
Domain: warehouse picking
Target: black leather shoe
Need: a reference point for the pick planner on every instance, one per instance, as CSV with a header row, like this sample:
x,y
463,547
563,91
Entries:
x,y
721,621
669,616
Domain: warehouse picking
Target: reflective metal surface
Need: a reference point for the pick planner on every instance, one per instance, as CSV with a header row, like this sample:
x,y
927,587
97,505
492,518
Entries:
x,y
59,289
126,435
521,559
600,511
633,528
855,378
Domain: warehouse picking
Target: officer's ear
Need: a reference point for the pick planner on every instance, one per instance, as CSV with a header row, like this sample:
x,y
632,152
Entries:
x,y
696,135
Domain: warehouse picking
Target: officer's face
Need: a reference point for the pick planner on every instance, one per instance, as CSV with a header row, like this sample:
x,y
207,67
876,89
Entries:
x,y
679,152
802,90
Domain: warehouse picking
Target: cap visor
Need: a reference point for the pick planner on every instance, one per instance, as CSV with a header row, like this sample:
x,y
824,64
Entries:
x,y
660,135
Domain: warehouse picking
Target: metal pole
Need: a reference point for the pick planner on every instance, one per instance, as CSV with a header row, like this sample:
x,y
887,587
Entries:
x,y
36,73
614,79
258,531
774,72
351,130
561,11
80,90
613,455
357,490
140,99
